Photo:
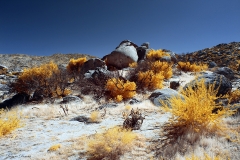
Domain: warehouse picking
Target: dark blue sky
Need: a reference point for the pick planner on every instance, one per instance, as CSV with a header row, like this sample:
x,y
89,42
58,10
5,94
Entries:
x,y
96,27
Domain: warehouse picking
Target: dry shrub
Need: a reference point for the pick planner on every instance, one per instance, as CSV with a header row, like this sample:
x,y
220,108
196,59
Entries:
x,y
188,67
133,65
164,67
111,144
74,66
192,116
150,80
35,78
154,55
54,147
117,87
94,117
234,96
9,121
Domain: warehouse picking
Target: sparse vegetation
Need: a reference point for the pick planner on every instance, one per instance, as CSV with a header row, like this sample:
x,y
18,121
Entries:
x,y
154,55
54,147
110,144
188,67
118,87
9,121
74,66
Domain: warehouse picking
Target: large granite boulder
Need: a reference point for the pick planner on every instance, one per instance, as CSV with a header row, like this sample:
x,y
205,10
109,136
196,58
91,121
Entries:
x,y
227,72
221,83
122,56
163,95
93,64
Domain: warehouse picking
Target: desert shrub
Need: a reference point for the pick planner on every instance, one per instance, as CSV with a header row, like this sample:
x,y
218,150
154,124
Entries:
x,y
118,87
164,67
187,66
46,80
150,80
133,65
94,117
111,144
194,112
54,147
35,78
234,96
74,66
154,55
9,121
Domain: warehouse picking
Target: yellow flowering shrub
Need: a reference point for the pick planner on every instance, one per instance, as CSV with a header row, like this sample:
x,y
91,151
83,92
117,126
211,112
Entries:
x,y
164,67
9,121
156,54
133,65
187,66
36,78
234,96
110,144
194,112
150,80
95,117
74,65
54,147
119,89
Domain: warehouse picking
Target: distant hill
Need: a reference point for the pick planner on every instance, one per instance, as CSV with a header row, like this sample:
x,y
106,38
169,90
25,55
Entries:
x,y
20,61
225,54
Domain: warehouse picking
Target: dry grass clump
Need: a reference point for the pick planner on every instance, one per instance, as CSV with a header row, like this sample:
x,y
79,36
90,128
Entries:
x,y
74,65
9,121
193,117
94,117
156,54
188,67
234,96
164,67
54,147
150,80
111,144
120,89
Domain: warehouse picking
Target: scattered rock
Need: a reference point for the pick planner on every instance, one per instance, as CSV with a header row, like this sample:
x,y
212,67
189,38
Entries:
x,y
17,99
71,98
212,64
174,84
93,64
3,69
162,95
108,105
227,72
221,82
134,101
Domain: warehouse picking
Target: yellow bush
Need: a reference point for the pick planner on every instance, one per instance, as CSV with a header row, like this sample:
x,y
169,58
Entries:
x,y
74,65
35,78
164,67
110,144
234,96
9,121
156,54
119,98
118,88
150,80
187,66
133,65
54,147
194,111
94,117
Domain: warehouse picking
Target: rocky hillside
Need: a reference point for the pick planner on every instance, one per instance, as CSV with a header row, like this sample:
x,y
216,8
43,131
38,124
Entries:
x,y
222,55
16,62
